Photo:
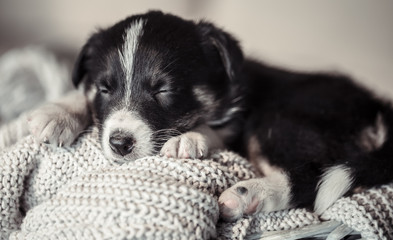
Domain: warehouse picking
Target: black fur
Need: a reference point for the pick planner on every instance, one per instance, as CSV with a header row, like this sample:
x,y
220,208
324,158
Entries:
x,y
306,122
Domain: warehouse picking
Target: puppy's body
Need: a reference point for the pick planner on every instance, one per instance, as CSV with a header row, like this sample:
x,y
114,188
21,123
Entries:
x,y
157,83
319,134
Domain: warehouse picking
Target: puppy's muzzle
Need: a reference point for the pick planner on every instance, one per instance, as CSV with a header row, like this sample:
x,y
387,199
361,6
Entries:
x,y
121,144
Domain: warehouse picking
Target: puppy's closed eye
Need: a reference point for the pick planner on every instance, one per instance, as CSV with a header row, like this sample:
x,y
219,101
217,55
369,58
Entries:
x,y
104,88
163,96
162,91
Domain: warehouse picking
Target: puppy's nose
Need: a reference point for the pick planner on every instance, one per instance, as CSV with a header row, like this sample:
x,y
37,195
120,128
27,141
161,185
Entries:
x,y
121,144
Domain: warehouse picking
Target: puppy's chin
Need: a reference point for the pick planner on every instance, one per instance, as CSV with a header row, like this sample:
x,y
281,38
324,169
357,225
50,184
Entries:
x,y
127,124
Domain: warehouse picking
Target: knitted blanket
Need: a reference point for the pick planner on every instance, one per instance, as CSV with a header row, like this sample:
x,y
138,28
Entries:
x,y
75,193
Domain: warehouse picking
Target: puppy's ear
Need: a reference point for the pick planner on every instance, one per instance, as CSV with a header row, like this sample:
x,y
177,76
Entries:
x,y
229,52
80,69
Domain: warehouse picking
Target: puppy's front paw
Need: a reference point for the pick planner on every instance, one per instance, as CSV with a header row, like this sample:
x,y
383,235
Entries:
x,y
51,123
188,145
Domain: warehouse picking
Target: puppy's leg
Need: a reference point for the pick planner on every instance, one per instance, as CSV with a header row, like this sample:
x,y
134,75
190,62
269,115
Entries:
x,y
62,121
289,157
267,194
193,144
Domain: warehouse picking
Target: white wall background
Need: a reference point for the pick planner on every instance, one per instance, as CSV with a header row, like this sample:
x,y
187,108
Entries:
x,y
352,36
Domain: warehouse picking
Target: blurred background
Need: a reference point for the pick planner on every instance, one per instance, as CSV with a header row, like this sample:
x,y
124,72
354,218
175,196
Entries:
x,y
353,36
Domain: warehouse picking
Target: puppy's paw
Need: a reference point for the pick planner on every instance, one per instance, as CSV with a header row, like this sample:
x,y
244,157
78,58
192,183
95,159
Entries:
x,y
53,124
266,194
188,145
239,200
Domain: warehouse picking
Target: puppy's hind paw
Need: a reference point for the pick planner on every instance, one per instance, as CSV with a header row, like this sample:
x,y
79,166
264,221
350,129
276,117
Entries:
x,y
253,196
190,145
236,202
53,124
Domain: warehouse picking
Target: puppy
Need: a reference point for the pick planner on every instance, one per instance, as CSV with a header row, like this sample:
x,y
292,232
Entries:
x,y
155,83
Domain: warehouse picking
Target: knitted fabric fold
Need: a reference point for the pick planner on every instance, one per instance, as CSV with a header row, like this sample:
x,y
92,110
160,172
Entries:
x,y
75,193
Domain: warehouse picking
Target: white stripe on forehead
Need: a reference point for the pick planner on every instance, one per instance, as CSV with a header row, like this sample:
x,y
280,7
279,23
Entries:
x,y
127,53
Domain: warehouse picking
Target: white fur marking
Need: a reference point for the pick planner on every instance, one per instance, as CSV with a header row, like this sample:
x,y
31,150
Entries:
x,y
373,137
204,96
127,122
229,114
91,93
334,183
127,54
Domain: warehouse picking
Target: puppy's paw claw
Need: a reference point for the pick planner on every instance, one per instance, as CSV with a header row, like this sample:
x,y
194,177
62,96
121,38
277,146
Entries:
x,y
53,125
190,145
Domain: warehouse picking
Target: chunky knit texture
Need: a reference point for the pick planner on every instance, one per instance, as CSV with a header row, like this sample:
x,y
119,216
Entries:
x,y
75,193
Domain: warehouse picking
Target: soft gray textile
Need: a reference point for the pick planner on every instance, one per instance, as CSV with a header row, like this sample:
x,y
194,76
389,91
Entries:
x,y
75,193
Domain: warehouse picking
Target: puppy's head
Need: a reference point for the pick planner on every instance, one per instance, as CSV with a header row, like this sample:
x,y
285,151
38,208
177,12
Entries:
x,y
153,76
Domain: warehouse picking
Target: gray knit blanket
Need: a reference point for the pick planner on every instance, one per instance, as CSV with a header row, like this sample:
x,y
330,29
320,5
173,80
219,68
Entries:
x,y
75,193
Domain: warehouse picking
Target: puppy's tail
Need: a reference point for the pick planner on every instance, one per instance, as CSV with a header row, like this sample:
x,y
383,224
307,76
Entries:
x,y
364,169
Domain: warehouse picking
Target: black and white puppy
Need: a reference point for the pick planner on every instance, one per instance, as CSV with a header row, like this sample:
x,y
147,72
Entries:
x,y
155,83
